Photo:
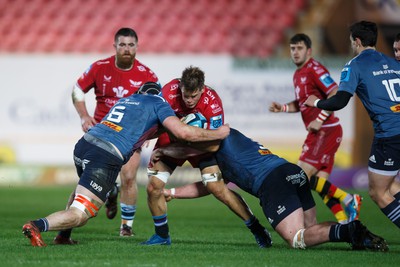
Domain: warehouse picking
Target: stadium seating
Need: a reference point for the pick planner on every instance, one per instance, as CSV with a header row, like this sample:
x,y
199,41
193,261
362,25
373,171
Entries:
x,y
237,27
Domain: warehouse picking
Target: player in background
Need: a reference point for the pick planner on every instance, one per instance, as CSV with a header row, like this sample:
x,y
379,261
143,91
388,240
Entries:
x,y
187,95
100,154
324,129
396,47
375,78
113,78
282,188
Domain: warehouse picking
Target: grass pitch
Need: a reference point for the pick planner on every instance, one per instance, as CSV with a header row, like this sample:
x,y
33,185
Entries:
x,y
204,233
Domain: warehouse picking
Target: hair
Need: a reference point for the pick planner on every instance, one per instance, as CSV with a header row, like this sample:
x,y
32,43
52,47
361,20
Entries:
x,y
301,37
397,37
192,79
149,88
366,31
126,32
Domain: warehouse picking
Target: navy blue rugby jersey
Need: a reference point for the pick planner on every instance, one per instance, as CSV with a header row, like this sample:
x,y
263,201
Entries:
x,y
131,121
245,162
375,78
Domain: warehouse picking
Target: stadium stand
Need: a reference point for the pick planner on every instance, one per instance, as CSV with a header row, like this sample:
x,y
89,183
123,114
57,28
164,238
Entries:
x,y
238,27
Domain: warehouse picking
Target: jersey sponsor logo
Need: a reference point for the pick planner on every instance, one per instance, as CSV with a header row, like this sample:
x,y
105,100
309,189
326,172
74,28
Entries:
x,y
172,96
95,186
120,91
372,159
107,79
303,79
111,125
326,80
345,75
174,87
215,122
264,151
135,84
141,68
395,108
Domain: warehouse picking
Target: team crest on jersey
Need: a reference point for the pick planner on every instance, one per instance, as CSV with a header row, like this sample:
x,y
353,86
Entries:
x,y
135,84
141,68
215,122
345,75
120,91
395,108
326,79
107,79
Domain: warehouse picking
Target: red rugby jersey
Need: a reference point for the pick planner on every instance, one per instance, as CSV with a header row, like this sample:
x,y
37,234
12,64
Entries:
x,y
111,83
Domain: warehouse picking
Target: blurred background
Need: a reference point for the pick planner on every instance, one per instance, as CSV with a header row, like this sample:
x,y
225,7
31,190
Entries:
x,y
242,45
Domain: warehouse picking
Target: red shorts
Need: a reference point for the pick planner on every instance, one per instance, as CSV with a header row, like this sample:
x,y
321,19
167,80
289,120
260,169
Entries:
x,y
319,148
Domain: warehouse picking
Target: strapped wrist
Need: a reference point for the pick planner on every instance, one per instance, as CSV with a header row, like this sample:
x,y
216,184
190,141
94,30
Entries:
x,y
285,108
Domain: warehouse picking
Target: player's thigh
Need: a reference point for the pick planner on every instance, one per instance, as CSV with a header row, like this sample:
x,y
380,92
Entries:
x,y
291,224
129,169
307,168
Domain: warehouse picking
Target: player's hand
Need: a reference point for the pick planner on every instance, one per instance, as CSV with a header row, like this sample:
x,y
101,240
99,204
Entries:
x,y
275,107
156,155
314,126
167,194
87,123
224,131
310,101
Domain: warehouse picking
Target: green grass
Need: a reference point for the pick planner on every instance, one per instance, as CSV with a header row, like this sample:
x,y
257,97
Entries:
x,y
203,231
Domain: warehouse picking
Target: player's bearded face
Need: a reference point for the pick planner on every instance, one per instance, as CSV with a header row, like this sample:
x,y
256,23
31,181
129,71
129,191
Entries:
x,y
191,98
125,51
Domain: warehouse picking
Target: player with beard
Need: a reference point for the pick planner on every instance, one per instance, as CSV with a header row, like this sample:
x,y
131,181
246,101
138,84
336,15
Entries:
x,y
113,78
324,129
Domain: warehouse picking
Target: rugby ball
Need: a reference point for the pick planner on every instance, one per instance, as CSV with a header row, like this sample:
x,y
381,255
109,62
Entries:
x,y
195,119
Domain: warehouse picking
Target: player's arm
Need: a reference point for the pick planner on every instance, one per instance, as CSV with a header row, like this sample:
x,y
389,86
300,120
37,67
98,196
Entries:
x,y
78,99
336,102
290,107
317,123
193,190
194,134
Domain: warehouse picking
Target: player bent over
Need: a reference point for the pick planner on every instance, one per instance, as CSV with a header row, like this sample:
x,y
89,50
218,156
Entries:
x,y
106,147
283,190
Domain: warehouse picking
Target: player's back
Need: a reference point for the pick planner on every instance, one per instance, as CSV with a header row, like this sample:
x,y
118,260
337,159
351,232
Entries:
x,y
131,121
245,162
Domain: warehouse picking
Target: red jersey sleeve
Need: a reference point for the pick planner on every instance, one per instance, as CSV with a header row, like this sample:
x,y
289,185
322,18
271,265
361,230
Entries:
x,y
211,107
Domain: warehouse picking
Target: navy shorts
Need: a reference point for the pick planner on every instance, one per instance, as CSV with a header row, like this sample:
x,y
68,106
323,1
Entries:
x,y
97,168
385,154
283,191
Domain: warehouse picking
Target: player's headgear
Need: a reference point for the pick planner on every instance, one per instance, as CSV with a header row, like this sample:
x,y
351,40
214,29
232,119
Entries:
x,y
149,88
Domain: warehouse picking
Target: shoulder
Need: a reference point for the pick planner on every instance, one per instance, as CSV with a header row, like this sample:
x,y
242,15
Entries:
x,y
142,67
105,61
316,67
171,89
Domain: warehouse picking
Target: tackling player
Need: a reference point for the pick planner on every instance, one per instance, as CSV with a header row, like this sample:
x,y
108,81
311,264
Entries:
x,y
188,95
375,78
324,130
282,188
100,154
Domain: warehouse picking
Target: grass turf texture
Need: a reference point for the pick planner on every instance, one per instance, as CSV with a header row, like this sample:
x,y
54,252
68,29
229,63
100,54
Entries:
x,y
204,233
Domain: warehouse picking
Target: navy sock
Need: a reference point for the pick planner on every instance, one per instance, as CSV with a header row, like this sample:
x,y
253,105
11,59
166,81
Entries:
x,y
397,196
339,233
254,225
42,224
65,233
392,211
161,225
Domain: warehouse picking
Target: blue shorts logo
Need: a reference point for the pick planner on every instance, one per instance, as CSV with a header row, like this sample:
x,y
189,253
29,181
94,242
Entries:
x,y
345,75
215,122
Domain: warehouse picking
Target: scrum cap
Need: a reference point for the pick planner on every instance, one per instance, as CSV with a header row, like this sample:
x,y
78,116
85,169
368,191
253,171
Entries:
x,y
149,88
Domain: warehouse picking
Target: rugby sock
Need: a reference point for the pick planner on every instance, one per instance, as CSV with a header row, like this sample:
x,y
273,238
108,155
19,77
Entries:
x,y
397,196
392,211
339,233
254,225
334,205
127,214
65,233
161,225
42,224
322,185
